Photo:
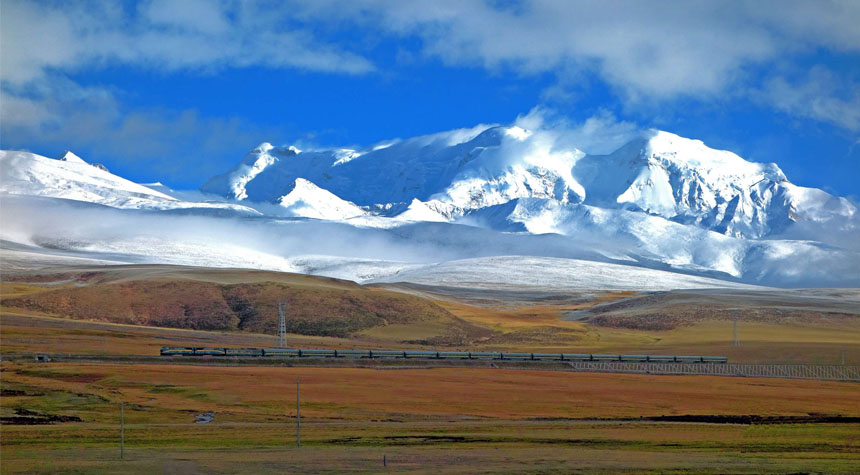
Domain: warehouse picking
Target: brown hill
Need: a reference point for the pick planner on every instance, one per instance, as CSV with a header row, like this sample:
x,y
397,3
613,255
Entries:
x,y
221,299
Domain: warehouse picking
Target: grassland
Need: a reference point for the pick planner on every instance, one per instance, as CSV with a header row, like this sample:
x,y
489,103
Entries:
x,y
63,417
446,420
779,327
219,299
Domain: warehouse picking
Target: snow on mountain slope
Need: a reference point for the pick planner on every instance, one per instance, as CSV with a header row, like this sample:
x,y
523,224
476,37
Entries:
x,y
684,180
68,156
623,234
359,251
554,274
421,211
812,204
310,201
660,201
70,177
465,168
658,174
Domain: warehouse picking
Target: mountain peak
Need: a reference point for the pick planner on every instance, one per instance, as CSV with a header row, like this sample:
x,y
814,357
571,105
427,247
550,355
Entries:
x,y
457,172
307,200
496,134
263,147
69,156
694,153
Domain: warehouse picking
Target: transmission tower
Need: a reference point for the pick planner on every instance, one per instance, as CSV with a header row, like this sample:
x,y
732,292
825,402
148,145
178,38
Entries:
x,y
282,324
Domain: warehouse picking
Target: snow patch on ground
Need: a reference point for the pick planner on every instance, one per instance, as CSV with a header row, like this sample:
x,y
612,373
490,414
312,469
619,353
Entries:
x,y
524,272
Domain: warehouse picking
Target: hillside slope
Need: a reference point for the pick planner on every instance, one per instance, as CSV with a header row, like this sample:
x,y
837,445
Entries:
x,y
221,299
70,177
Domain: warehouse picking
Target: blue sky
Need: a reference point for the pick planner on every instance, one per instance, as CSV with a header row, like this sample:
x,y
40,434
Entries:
x,y
178,91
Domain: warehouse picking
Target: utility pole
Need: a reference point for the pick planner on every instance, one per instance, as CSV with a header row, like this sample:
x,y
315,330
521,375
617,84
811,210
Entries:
x,y
298,418
121,430
736,341
282,324
842,357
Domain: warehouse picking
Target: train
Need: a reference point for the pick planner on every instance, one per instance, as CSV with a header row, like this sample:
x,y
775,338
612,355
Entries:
x,y
433,355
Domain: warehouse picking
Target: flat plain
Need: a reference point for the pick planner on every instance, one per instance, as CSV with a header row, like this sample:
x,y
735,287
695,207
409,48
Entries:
x,y
443,419
208,416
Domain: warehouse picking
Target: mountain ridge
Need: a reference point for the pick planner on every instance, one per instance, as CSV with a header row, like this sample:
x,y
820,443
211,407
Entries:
x,y
660,201
657,173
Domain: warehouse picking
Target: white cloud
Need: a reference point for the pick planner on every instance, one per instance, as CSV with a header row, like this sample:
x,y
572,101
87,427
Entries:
x,y
647,51
820,95
601,133
192,34
32,40
203,16
59,114
658,49
653,48
42,43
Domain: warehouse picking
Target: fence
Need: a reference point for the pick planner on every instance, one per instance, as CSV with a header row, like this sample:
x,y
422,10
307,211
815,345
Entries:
x,y
797,371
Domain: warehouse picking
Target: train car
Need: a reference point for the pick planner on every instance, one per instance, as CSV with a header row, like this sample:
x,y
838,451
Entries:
x,y
575,357
176,351
425,354
387,354
209,352
660,359
420,354
243,352
352,353
316,353
281,352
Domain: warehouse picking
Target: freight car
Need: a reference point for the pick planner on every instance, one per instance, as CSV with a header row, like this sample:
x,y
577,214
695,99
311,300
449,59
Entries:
x,y
437,355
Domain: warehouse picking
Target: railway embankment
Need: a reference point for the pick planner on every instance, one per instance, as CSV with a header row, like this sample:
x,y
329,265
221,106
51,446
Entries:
x,y
850,373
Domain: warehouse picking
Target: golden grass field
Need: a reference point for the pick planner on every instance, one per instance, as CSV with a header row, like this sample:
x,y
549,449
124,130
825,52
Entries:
x,y
443,420
441,322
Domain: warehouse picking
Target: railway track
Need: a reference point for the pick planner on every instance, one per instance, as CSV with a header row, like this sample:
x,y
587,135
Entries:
x,y
845,373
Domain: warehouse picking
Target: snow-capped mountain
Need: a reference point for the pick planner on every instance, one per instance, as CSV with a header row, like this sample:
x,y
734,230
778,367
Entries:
x,y
684,180
661,202
464,171
70,177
